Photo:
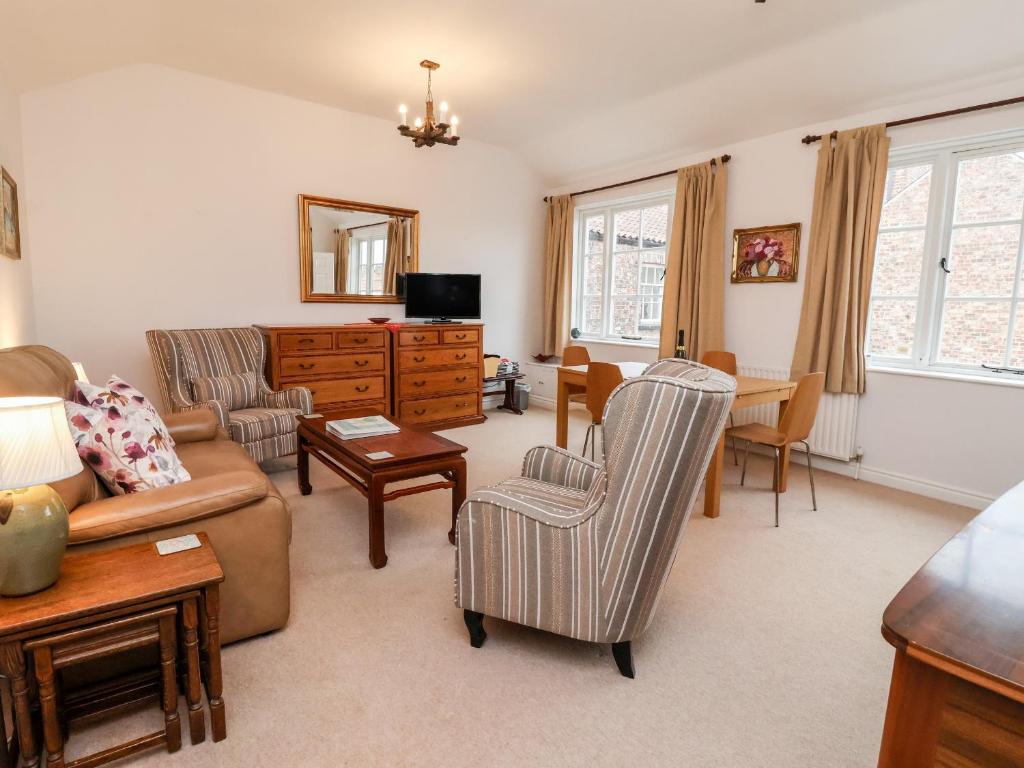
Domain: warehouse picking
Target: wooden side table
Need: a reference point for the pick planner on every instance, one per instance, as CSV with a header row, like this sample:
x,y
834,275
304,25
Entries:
x,y
102,603
510,379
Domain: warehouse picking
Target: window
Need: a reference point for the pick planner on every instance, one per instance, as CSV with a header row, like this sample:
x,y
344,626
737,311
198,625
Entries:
x,y
619,279
369,265
948,287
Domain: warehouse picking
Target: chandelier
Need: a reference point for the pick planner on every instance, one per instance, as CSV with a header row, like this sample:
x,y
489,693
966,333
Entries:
x,y
426,132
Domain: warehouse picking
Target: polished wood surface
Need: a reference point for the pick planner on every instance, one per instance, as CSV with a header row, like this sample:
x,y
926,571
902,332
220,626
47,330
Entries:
x,y
602,379
575,354
97,593
344,366
416,453
439,374
750,391
721,360
957,693
572,380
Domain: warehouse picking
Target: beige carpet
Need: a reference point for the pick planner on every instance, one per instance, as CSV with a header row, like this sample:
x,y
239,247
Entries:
x,y
765,650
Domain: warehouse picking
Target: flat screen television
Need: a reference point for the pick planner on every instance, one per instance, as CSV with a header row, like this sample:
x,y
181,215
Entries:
x,y
442,297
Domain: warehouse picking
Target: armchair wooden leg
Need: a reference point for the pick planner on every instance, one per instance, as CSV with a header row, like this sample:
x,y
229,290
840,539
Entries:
x,y
623,653
475,625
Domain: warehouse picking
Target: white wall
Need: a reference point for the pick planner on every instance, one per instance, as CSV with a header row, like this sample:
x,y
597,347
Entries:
x,y
16,310
162,199
951,439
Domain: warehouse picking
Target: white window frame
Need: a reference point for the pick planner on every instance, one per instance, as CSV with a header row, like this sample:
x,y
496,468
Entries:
x,y
368,263
610,208
944,156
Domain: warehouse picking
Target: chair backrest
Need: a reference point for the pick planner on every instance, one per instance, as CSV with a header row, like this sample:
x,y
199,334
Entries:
x,y
798,420
574,354
180,357
723,361
661,429
602,379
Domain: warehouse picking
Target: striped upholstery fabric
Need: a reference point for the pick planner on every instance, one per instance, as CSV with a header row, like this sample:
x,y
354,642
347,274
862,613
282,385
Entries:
x,y
236,390
266,429
583,549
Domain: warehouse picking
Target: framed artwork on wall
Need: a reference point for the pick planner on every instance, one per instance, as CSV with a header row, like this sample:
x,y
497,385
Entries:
x,y
10,231
766,254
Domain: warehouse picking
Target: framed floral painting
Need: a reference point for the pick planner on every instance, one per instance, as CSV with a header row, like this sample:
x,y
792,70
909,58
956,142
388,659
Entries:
x,y
766,254
10,232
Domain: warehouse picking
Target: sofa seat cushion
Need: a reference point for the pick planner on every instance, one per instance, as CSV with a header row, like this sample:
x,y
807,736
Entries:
x,y
167,506
251,424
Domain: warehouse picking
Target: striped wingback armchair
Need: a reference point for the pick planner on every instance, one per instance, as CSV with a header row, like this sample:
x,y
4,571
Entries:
x,y
583,549
222,369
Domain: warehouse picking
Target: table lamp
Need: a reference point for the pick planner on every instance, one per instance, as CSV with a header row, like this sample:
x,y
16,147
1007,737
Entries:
x,y
35,448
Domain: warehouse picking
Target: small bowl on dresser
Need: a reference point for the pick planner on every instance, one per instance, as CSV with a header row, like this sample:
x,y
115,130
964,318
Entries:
x,y
379,320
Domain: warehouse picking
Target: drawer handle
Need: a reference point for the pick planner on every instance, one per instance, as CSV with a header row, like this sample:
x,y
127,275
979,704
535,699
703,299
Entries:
x,y
361,340
419,359
362,388
418,383
420,411
460,379
460,336
306,341
419,338
361,363
461,357
307,366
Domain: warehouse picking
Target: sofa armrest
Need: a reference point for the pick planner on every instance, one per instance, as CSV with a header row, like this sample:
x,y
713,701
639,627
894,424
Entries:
x,y
293,397
556,465
166,506
194,426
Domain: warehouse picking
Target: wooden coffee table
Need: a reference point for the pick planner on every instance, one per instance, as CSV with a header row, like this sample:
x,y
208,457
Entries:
x,y
416,453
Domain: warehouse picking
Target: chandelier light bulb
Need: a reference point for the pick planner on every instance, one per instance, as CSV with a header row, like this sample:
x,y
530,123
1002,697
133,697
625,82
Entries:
x,y
419,122
444,110
455,125
402,110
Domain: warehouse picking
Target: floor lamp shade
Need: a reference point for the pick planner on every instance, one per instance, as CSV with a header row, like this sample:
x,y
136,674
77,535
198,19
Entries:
x,y
36,448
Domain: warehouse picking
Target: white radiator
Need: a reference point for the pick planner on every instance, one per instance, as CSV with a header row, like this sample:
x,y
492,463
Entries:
x,y
835,429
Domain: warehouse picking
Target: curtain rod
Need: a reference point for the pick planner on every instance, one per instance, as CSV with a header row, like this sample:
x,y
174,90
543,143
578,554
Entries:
x,y
810,139
361,226
725,159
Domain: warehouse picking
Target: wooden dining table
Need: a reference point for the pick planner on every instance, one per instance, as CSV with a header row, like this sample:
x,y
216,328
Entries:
x,y
750,391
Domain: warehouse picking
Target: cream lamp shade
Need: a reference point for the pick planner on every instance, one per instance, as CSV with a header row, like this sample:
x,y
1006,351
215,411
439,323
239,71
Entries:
x,y
36,446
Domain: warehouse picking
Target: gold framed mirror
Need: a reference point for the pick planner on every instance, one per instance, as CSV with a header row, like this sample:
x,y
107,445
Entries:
x,y
353,252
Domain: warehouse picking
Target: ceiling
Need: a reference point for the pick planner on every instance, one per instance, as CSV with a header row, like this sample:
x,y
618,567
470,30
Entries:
x,y
575,86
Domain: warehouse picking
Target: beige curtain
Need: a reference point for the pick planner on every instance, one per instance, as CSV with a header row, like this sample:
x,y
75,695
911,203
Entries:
x,y
694,294
406,262
394,254
341,251
557,274
848,193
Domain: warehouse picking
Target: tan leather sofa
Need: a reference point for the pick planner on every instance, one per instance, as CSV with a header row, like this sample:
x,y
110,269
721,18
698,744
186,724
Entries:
x,y
229,498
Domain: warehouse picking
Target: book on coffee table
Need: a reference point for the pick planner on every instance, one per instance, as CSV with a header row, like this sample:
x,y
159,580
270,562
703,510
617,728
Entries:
x,y
363,426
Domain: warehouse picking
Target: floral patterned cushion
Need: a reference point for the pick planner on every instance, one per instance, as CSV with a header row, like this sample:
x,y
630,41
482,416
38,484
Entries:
x,y
235,390
122,438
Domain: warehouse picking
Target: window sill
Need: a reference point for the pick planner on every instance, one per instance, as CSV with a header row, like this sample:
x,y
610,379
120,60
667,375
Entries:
x,y
616,342
948,375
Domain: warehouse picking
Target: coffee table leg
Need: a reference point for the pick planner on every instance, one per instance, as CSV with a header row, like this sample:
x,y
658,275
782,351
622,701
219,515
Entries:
x,y
378,555
213,679
303,466
193,684
12,666
52,738
458,494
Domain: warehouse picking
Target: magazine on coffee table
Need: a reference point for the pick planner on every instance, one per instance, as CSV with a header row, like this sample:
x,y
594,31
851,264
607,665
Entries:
x,y
363,426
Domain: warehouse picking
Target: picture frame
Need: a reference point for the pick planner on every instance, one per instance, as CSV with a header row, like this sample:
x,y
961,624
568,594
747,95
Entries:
x,y
766,254
10,226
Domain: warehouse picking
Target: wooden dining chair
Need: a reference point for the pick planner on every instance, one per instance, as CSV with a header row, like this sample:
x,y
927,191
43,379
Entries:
x,y
602,379
794,427
726,363
575,354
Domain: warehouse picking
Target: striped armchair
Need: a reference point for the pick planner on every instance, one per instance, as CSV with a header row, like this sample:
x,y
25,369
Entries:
x,y
261,420
581,548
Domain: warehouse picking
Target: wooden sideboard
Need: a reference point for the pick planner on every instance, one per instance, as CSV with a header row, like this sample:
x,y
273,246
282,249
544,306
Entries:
x,y
438,374
957,692
345,366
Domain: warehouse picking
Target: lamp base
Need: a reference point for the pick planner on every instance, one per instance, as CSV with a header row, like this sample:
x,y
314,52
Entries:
x,y
32,539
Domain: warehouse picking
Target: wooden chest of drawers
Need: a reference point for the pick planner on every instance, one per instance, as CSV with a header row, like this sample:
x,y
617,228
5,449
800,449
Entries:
x,y
438,374
345,366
